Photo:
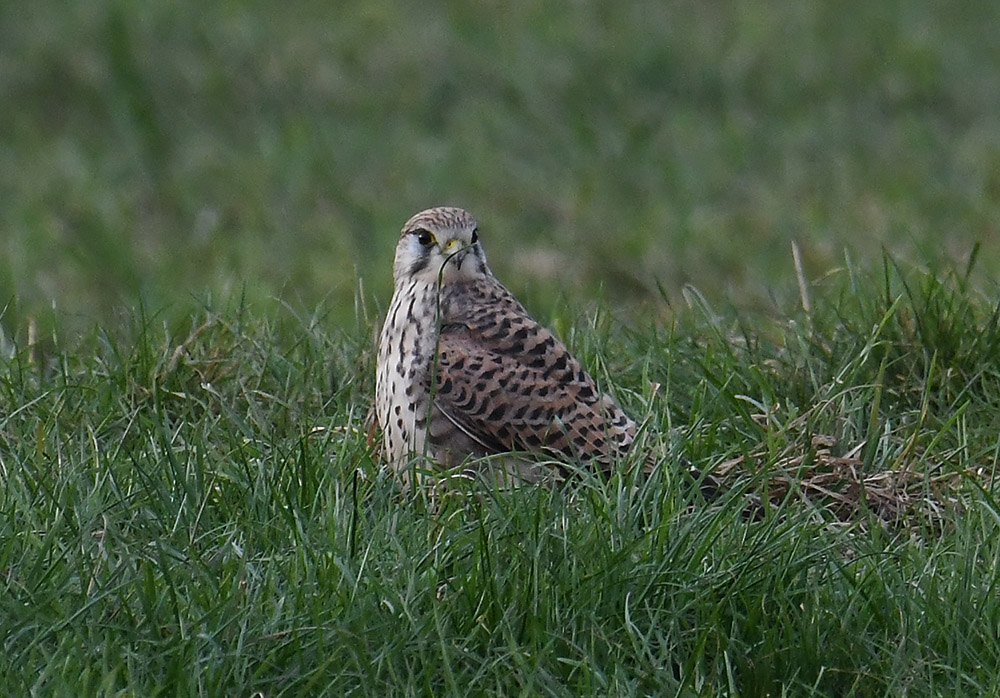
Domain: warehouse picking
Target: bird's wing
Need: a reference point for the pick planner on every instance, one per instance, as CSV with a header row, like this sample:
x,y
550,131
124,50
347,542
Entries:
x,y
512,386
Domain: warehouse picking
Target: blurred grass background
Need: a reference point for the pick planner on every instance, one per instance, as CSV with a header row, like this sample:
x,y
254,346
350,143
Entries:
x,y
169,151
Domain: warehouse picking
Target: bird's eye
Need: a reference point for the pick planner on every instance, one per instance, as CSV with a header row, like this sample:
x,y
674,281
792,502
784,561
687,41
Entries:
x,y
475,236
424,237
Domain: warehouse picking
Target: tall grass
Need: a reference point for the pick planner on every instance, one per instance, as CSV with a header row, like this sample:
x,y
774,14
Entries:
x,y
196,511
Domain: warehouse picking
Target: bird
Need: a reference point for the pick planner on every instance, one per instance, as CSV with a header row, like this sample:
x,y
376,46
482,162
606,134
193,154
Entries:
x,y
465,372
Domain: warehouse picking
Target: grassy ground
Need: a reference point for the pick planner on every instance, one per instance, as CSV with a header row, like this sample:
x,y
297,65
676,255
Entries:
x,y
199,514
199,205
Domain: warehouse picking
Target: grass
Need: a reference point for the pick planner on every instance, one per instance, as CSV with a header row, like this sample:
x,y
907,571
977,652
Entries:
x,y
199,208
198,513
153,150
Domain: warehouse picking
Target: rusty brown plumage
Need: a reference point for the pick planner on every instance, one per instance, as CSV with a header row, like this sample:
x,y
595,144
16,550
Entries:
x,y
464,370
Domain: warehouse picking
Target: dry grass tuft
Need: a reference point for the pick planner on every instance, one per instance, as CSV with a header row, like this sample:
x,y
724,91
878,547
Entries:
x,y
819,478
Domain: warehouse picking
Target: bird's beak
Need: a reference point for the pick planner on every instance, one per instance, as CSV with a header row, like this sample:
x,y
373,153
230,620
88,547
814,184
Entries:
x,y
454,252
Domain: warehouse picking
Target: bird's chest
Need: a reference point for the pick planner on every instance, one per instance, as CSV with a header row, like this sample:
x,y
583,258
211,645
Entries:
x,y
405,357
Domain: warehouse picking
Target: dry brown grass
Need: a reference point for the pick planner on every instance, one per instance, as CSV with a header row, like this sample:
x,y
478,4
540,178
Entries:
x,y
822,479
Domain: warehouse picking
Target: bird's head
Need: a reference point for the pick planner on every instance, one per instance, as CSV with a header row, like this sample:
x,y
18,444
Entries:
x,y
440,243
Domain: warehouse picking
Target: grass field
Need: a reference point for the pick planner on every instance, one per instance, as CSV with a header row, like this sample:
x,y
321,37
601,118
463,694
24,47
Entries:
x,y
198,206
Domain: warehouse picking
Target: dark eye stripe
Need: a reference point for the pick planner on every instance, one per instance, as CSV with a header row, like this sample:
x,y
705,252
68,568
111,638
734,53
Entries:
x,y
419,264
475,236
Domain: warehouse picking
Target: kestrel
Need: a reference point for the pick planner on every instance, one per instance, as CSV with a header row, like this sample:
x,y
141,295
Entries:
x,y
464,371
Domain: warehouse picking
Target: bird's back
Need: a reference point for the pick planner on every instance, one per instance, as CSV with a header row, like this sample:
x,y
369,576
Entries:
x,y
511,385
